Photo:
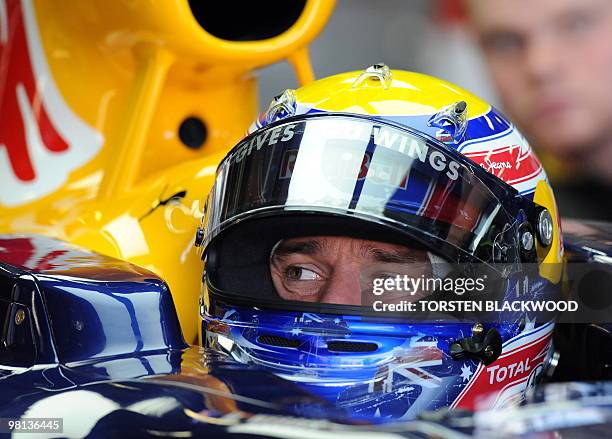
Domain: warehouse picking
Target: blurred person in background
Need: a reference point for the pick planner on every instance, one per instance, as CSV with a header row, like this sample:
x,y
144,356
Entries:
x,y
551,62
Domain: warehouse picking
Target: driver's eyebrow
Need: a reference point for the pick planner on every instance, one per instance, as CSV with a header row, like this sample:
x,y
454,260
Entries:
x,y
314,246
310,248
392,257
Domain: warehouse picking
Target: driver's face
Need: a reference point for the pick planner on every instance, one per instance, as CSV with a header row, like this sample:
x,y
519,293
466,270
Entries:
x,y
330,269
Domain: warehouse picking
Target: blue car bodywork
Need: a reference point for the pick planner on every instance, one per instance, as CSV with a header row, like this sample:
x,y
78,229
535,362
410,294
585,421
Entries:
x,y
96,341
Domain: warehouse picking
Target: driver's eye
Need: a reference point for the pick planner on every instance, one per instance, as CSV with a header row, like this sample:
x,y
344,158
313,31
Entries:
x,y
295,272
385,276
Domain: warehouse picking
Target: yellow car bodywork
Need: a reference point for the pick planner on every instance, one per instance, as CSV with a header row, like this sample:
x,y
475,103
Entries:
x,y
133,71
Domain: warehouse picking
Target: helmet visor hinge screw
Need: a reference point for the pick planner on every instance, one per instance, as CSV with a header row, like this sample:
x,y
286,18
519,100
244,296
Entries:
x,y
545,228
20,317
527,241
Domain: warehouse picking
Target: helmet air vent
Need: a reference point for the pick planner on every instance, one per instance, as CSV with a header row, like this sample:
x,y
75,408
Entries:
x,y
351,346
452,119
281,342
378,72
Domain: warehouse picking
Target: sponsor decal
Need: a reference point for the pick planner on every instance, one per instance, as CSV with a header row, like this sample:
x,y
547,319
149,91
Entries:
x,y
416,149
512,163
509,157
361,133
41,139
506,380
499,374
266,138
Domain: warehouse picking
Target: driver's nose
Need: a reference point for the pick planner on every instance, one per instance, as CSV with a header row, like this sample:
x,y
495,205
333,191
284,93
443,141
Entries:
x,y
343,287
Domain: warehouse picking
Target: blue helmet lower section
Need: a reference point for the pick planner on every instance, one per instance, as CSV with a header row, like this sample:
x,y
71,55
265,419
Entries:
x,y
371,366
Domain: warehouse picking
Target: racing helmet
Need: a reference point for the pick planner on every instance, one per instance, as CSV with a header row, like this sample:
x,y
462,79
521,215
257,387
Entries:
x,y
402,159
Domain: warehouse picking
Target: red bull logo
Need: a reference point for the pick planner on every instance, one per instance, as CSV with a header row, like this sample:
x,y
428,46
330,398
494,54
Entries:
x,y
381,173
41,139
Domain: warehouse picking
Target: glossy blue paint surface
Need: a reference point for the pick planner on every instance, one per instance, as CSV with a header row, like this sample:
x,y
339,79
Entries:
x,y
84,305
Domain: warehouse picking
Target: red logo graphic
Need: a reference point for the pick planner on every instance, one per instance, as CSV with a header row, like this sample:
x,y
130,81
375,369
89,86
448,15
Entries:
x,y
514,163
288,163
17,78
41,139
21,252
381,173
